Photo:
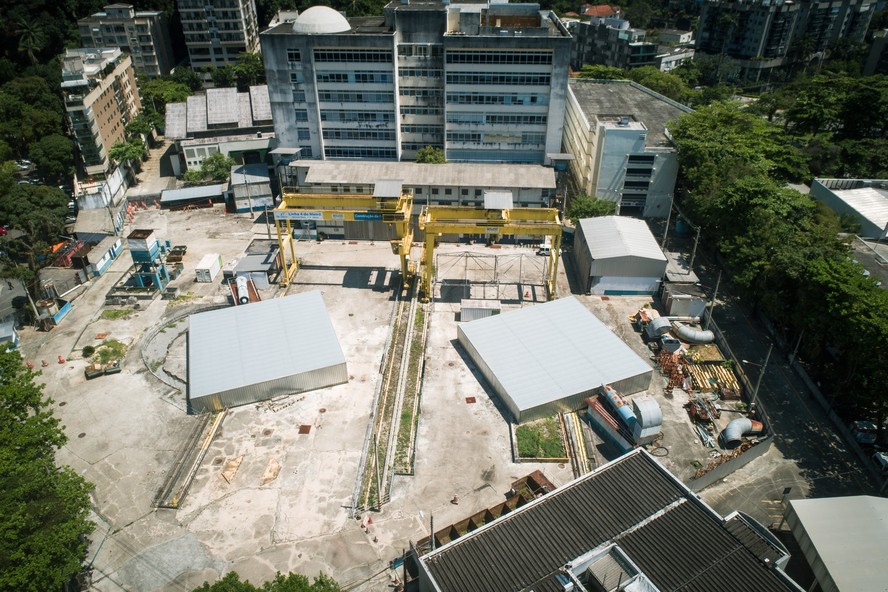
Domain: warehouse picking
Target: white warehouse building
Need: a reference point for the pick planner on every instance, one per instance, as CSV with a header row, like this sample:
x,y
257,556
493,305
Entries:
x,y
617,255
549,357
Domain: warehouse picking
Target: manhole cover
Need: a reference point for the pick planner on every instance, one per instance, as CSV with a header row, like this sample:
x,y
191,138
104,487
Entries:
x,y
304,429
63,403
267,432
218,461
322,410
470,400
560,465
81,434
451,364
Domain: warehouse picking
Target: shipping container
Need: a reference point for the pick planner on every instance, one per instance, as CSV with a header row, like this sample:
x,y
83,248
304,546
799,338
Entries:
x,y
208,267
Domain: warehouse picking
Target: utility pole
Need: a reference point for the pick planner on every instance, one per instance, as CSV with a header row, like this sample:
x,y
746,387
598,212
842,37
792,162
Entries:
x,y
668,219
712,302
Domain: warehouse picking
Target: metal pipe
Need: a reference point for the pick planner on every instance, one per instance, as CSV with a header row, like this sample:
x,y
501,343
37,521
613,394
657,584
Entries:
x,y
694,335
734,432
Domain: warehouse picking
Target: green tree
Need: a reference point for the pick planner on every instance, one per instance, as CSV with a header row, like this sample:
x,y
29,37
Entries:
x,y
665,83
231,582
215,168
44,523
587,206
598,72
160,91
188,77
32,40
144,123
54,157
430,155
249,71
132,151
224,77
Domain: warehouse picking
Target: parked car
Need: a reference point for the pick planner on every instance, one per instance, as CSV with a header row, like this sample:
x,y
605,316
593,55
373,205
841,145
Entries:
x,y
881,461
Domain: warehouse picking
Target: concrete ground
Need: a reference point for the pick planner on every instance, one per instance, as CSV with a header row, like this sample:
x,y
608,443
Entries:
x,y
125,429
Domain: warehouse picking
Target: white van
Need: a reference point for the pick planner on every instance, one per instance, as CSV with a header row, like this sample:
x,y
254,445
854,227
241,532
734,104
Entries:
x,y
545,248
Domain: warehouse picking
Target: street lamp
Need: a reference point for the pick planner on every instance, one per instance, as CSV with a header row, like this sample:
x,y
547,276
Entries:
x,y
758,382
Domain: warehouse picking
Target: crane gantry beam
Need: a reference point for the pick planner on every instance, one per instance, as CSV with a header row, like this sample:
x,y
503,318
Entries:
x,y
438,220
339,207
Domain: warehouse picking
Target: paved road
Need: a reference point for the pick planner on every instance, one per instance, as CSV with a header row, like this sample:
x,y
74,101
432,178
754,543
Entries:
x,y
808,456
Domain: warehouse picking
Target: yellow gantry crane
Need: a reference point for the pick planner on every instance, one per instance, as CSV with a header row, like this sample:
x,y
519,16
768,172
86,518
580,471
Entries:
x,y
438,220
395,211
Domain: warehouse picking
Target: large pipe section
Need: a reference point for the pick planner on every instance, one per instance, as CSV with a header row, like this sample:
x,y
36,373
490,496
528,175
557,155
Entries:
x,y
243,290
694,335
620,406
733,434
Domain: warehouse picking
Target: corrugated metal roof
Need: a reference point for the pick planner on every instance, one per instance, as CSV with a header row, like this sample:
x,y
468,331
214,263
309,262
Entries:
x,y
676,541
201,192
846,533
412,174
260,103
870,203
221,106
197,114
550,351
387,188
176,128
618,236
498,200
260,342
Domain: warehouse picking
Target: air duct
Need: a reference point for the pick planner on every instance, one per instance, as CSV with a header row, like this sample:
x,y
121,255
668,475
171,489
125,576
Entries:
x,y
733,434
693,335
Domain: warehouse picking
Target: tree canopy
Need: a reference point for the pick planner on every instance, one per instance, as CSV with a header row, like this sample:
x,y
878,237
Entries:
x,y
586,206
44,522
215,167
784,250
54,157
281,583
430,155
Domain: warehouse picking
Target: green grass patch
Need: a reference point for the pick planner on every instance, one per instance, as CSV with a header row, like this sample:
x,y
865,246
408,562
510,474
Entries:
x,y
116,314
110,350
540,439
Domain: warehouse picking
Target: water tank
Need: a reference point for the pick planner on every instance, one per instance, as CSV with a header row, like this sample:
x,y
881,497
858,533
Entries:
x,y
243,290
47,307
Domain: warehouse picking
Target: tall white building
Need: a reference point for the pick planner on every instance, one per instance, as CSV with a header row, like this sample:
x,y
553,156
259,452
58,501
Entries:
x,y
617,132
144,35
218,31
485,82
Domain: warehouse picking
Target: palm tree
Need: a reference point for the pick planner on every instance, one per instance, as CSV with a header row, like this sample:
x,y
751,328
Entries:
x,y
32,40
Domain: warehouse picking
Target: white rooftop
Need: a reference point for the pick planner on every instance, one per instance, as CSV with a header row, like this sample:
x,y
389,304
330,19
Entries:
x,y
221,106
618,236
412,174
870,202
850,535
241,346
550,351
319,20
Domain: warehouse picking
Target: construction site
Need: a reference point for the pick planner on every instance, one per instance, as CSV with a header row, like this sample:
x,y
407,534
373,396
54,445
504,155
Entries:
x,y
316,405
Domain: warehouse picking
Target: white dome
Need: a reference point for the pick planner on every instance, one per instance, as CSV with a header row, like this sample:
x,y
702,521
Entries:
x,y
320,19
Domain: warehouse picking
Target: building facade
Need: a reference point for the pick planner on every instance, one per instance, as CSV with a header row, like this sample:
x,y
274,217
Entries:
x,y
764,37
218,31
144,35
101,97
617,132
483,82
613,42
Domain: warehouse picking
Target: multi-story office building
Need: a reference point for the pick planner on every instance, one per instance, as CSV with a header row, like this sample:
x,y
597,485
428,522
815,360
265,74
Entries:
x,y
101,97
218,31
763,36
142,34
617,132
484,82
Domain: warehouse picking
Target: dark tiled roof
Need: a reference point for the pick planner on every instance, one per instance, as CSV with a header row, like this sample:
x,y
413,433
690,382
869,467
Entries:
x,y
685,550
527,546
678,543
746,534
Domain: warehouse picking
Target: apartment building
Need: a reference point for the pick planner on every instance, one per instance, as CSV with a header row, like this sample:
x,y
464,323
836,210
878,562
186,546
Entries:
x,y
144,35
101,97
218,31
485,82
611,41
764,37
617,132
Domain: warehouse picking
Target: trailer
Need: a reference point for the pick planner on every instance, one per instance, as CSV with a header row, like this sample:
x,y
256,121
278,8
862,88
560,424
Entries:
x,y
208,268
